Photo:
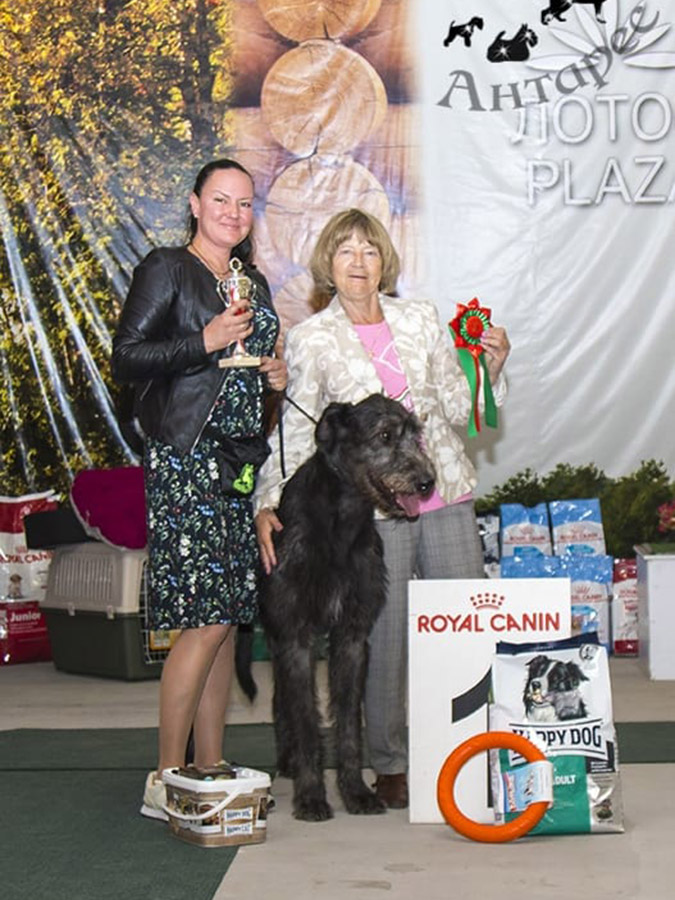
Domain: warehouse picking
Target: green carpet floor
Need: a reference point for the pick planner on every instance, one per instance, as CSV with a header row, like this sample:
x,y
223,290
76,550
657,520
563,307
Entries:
x,y
69,822
119,748
77,835
129,749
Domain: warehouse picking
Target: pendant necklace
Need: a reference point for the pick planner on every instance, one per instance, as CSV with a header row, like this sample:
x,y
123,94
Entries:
x,y
219,276
221,286
368,343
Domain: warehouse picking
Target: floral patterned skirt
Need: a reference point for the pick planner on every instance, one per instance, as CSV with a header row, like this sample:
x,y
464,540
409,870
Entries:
x,y
204,560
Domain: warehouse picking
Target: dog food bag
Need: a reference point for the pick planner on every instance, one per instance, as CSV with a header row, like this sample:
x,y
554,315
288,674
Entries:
x,y
591,590
558,695
488,529
23,579
524,530
531,567
625,608
23,572
576,526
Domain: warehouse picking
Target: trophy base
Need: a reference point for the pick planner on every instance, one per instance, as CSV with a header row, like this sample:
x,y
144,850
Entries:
x,y
238,362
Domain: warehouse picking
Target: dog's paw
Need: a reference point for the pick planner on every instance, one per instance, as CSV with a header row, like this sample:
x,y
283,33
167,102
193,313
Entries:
x,y
363,803
312,809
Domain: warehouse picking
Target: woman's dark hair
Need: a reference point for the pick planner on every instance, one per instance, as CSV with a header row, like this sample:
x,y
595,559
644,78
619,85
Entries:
x,y
244,250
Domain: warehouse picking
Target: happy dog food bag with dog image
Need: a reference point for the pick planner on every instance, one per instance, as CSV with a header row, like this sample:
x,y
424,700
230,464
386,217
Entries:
x,y
558,695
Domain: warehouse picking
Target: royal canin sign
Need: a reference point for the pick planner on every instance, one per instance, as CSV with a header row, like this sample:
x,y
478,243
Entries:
x,y
487,615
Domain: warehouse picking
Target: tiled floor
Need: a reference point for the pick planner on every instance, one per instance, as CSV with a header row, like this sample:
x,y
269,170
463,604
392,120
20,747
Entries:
x,y
361,858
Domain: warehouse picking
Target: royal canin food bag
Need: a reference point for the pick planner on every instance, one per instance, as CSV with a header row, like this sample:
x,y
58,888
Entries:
x,y
558,695
23,578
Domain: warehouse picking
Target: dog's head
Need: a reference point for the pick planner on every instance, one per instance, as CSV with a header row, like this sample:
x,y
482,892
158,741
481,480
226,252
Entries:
x,y
376,446
552,690
526,36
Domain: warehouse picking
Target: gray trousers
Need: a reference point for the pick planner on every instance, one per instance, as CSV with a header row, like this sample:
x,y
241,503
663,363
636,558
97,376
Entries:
x,y
441,544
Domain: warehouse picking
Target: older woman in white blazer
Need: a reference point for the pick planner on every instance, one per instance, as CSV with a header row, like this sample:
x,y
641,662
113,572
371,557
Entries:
x,y
363,340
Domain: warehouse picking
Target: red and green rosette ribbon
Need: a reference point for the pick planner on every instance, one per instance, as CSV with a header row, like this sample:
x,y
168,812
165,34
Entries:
x,y
467,327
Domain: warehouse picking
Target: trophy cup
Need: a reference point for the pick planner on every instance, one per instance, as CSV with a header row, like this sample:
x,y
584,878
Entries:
x,y
234,288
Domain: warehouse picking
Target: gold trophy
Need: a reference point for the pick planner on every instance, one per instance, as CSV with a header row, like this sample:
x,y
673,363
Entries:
x,y
233,289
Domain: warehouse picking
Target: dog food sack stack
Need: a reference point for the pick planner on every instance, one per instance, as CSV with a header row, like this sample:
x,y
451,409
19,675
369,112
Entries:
x,y
488,529
524,530
223,806
576,527
532,567
591,591
558,696
625,608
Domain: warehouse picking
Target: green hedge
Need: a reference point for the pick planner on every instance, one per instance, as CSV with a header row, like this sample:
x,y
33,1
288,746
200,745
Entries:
x,y
629,504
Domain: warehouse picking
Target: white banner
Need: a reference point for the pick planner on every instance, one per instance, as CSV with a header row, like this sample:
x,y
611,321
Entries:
x,y
549,188
454,627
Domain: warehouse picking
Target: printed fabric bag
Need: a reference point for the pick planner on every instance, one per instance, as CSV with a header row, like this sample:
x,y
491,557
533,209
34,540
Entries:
x,y
239,460
558,695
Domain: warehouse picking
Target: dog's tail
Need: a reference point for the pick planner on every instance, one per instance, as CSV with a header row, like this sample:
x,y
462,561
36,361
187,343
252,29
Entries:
x,y
243,661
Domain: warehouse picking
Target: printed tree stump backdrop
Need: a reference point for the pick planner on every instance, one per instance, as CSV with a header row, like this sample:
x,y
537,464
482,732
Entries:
x,y
292,301
257,46
322,98
322,118
255,49
262,155
386,45
302,20
309,192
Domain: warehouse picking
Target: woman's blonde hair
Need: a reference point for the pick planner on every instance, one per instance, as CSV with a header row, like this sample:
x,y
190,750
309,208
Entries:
x,y
338,229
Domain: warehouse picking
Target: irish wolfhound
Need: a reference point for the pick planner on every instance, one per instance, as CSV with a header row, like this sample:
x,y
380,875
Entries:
x,y
330,579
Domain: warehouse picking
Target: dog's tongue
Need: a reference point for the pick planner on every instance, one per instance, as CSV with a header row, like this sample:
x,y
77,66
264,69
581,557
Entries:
x,y
410,504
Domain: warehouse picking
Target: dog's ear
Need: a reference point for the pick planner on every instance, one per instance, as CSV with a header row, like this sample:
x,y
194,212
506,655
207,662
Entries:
x,y
332,425
537,665
574,672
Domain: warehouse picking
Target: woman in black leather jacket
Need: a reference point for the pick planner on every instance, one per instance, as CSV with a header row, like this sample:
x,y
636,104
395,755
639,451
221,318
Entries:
x,y
203,555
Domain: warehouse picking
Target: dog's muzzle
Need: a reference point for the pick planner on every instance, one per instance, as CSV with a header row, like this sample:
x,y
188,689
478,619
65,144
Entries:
x,y
410,503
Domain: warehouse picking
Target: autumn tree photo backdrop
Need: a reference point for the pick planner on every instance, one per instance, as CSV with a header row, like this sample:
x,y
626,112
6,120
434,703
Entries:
x,y
107,110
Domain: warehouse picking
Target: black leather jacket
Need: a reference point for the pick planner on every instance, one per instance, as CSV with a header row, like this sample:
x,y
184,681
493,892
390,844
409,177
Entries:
x,y
160,349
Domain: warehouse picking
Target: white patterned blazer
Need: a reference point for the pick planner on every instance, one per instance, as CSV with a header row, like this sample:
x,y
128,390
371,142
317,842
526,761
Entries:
x,y
327,362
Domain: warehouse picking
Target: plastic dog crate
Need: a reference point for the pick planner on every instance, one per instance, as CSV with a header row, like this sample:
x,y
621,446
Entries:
x,y
96,611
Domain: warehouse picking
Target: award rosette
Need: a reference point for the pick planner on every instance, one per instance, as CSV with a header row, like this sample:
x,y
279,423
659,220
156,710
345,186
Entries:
x,y
467,327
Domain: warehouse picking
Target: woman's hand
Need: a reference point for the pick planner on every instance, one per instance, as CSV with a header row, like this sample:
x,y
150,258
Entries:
x,y
496,346
266,523
227,327
276,372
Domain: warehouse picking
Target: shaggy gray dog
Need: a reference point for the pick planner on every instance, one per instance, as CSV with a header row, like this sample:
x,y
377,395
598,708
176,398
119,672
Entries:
x,y
330,580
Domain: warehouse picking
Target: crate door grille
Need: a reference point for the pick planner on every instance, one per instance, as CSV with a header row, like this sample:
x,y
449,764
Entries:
x,y
80,578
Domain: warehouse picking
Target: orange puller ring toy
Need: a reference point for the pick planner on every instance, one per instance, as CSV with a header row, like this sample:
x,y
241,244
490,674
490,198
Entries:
x,y
491,834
